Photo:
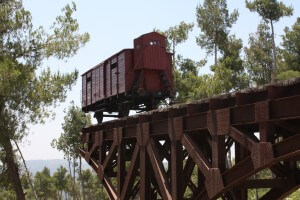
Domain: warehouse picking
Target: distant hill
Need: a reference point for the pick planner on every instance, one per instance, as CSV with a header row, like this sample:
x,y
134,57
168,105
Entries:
x,y
38,165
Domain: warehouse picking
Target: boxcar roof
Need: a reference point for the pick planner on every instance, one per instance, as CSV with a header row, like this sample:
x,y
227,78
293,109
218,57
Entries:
x,y
150,33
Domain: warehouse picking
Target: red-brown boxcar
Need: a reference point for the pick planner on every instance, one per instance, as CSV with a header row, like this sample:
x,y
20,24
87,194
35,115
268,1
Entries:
x,y
132,79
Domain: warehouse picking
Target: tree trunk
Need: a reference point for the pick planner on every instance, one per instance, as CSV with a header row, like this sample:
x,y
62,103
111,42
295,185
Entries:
x,y
27,171
70,171
274,70
229,158
173,43
12,166
216,55
81,181
74,179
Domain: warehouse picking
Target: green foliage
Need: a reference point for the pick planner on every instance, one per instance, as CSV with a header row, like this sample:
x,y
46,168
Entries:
x,y
288,74
92,186
291,47
60,179
228,75
259,55
69,141
295,195
176,35
87,178
26,95
7,194
231,67
63,43
44,184
269,9
214,20
186,65
6,188
59,186
267,174
189,85
69,190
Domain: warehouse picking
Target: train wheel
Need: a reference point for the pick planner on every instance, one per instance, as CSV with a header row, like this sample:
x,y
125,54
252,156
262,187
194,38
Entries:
x,y
99,116
123,110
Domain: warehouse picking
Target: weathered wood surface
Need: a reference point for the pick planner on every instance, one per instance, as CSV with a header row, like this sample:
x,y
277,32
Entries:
x,y
154,155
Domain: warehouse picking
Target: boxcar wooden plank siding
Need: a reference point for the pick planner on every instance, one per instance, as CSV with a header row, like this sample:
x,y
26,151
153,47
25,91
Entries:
x,y
94,86
114,80
89,89
102,82
121,72
84,90
97,83
129,72
108,79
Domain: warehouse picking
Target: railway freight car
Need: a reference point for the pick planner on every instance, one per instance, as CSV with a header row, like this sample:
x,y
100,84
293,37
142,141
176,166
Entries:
x,y
132,79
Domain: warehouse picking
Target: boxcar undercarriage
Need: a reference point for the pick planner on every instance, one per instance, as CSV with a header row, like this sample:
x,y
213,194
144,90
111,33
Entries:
x,y
120,105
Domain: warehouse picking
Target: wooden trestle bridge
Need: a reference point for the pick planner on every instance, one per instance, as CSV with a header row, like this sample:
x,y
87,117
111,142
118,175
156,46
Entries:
x,y
164,153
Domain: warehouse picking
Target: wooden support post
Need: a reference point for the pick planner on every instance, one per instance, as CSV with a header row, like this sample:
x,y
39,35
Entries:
x,y
121,170
218,152
176,170
266,132
175,132
145,176
145,170
102,151
218,124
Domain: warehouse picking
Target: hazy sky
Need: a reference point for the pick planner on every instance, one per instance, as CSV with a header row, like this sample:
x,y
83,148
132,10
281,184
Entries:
x,y
112,26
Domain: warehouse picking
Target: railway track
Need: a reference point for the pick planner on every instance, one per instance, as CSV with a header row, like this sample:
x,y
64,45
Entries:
x,y
181,152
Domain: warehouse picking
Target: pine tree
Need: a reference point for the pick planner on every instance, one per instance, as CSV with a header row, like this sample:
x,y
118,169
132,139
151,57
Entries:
x,y
289,66
44,184
60,180
271,11
25,95
214,20
70,140
259,55
176,35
